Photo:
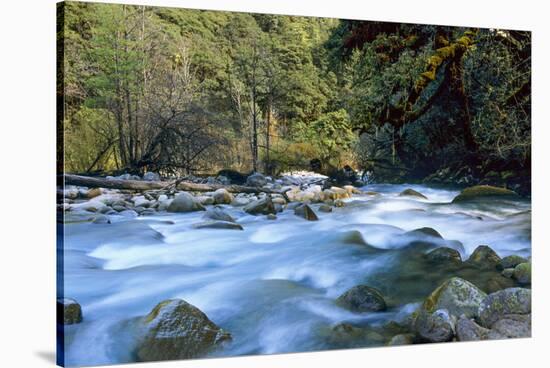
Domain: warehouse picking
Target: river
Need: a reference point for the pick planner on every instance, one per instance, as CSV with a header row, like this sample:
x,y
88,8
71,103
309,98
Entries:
x,y
272,285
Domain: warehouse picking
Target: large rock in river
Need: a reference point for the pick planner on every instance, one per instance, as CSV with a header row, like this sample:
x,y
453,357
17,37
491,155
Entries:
x,y
522,273
444,255
256,180
185,202
438,326
217,213
222,196
306,212
412,193
483,191
68,311
176,329
498,305
457,296
362,298
484,257
262,206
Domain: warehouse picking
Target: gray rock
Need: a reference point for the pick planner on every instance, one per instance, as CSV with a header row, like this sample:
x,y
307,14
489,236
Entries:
x,y
325,208
68,311
140,201
222,196
522,273
175,329
218,225
151,176
218,214
256,180
240,201
508,272
502,303
260,207
185,202
105,209
468,330
457,296
128,213
362,298
306,212
438,326
205,200
510,327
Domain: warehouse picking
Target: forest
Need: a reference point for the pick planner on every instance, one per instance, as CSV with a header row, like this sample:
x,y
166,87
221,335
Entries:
x,y
190,92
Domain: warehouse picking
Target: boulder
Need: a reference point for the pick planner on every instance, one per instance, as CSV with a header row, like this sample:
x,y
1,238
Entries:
x,y
362,298
175,329
128,213
185,202
483,191
68,311
256,180
306,212
444,255
510,327
468,330
505,302
262,206
510,262
205,200
522,273
222,196
218,225
151,176
438,326
484,257
218,214
351,189
424,231
412,193
141,201
457,296
508,272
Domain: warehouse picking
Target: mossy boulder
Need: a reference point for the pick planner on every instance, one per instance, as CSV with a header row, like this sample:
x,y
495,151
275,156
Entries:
x,y
175,329
483,191
484,257
522,273
412,193
262,206
502,303
444,255
457,296
306,212
362,298
510,262
68,311
185,202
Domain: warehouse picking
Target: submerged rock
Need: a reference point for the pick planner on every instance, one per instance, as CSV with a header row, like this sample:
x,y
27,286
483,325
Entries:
x,y
412,193
362,298
271,216
502,303
68,311
218,225
484,257
176,329
306,212
483,191
260,207
444,254
522,273
185,202
457,296
101,219
401,339
427,231
325,208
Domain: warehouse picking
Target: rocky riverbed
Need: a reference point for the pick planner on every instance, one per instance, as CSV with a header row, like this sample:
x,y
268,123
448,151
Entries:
x,y
165,274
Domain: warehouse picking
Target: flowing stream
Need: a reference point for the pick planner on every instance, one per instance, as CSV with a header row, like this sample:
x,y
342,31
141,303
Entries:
x,y
273,285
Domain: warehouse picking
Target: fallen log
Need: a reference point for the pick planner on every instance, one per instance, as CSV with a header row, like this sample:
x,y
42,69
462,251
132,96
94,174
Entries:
x,y
93,182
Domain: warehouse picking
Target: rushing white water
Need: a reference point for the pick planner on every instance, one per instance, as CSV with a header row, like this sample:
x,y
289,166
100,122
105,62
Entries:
x,y
272,285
